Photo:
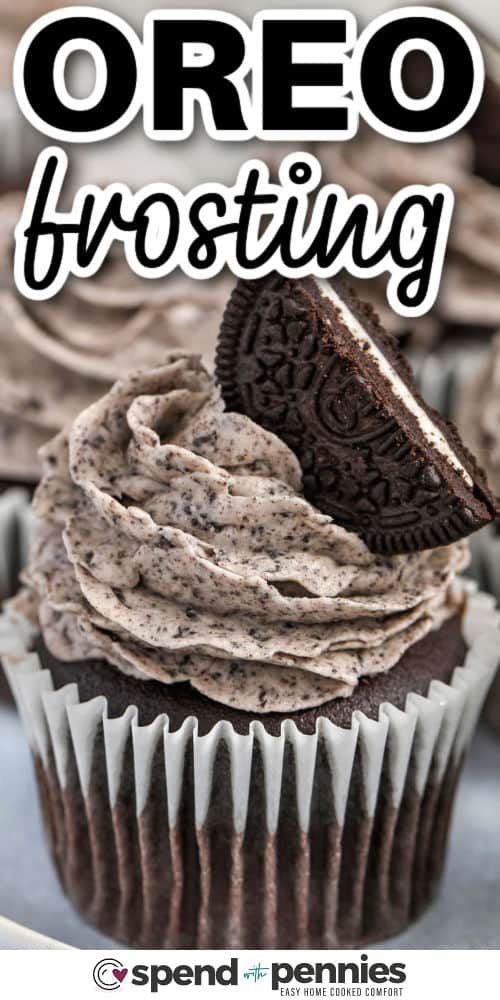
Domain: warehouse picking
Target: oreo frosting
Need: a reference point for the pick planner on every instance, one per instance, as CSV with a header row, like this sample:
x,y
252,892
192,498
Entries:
x,y
57,356
175,543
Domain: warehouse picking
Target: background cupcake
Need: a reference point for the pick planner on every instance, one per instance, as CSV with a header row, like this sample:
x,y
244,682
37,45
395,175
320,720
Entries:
x,y
478,416
301,722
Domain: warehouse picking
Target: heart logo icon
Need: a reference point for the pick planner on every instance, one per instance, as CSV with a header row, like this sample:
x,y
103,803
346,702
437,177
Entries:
x,y
120,974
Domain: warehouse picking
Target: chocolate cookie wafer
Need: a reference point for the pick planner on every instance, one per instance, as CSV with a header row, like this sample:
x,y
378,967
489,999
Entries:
x,y
310,362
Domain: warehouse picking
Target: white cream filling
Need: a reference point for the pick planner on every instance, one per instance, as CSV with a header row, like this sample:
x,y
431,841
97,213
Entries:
x,y
432,433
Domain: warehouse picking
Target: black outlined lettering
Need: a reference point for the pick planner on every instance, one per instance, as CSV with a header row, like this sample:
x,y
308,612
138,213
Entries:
x,y
458,74
311,79
302,74
196,59
39,74
295,227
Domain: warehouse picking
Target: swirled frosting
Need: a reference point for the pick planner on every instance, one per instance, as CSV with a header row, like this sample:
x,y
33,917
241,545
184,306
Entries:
x,y
478,415
175,542
56,357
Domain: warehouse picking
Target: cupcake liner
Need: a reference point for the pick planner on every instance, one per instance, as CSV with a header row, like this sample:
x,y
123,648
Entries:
x,y
441,374
485,570
172,839
16,525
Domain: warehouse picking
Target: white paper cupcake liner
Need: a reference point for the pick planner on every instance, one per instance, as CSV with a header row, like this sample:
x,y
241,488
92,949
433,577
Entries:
x,y
172,839
485,570
16,526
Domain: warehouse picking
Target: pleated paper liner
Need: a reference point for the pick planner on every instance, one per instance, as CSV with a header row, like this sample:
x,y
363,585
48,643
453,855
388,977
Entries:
x,y
14,517
485,569
174,840
16,521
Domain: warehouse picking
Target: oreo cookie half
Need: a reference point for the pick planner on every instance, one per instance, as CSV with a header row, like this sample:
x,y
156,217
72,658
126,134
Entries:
x,y
310,362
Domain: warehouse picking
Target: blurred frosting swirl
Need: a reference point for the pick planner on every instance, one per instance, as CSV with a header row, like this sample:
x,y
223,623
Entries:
x,y
470,289
60,355
175,543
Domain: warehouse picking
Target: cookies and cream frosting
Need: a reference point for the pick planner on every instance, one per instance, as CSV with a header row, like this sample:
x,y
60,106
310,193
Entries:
x,y
57,356
175,542
478,415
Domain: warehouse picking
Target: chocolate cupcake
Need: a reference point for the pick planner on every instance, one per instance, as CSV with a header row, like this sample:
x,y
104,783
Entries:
x,y
225,689
478,416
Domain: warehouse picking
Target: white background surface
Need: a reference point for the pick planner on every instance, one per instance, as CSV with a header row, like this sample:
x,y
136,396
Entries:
x,y
465,915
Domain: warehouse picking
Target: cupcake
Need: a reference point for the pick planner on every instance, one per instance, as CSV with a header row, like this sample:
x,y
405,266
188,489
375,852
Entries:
x,y
478,415
58,356
248,716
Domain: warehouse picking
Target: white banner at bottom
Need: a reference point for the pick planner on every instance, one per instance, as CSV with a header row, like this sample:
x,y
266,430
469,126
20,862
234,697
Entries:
x,y
301,975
